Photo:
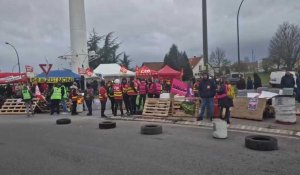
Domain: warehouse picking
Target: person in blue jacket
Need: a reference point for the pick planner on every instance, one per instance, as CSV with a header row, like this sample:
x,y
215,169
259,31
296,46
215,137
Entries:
x,y
207,91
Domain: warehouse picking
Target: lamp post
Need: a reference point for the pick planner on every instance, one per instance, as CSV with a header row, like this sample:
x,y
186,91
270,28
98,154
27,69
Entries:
x,y
16,53
238,35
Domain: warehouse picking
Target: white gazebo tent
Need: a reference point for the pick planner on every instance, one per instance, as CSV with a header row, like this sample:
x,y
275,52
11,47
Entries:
x,y
112,71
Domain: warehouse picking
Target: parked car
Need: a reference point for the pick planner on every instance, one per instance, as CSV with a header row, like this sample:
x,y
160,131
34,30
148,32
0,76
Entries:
x,y
275,77
234,77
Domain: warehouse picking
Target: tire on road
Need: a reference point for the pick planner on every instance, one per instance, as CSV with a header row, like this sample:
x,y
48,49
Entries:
x,y
63,121
261,143
107,125
151,129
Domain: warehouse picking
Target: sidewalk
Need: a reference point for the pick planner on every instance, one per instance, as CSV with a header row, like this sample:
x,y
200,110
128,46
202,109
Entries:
x,y
266,126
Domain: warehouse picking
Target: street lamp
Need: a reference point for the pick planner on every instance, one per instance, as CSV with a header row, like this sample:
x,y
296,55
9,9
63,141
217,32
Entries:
x,y
238,35
16,53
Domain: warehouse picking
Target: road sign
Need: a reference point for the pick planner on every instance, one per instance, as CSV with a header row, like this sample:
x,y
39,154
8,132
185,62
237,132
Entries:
x,y
46,68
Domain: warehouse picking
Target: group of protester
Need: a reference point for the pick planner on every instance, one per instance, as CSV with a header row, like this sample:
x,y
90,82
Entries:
x,y
126,92
251,84
208,89
119,92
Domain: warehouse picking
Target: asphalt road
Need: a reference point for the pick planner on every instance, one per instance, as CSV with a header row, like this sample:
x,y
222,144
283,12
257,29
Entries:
x,y
37,146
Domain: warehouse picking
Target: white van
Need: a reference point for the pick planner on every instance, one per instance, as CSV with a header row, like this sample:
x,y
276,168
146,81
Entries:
x,y
275,77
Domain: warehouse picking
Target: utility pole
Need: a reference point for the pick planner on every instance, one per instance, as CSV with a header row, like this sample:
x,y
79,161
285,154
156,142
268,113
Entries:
x,y
238,35
204,26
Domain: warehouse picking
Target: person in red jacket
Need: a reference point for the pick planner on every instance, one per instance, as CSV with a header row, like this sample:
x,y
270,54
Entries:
x,y
125,86
132,94
118,97
103,98
142,88
151,88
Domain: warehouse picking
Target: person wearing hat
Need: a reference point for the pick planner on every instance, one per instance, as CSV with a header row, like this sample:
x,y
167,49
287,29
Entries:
x,y
56,96
207,91
118,97
27,98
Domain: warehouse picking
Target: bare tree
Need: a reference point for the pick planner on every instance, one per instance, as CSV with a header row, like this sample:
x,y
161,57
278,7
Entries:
x,y
217,58
284,47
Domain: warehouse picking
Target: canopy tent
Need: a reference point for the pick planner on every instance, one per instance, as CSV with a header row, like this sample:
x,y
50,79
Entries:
x,y
145,72
10,77
168,72
55,76
113,70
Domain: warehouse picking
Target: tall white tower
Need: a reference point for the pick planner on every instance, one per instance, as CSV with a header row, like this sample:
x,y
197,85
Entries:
x,y
78,35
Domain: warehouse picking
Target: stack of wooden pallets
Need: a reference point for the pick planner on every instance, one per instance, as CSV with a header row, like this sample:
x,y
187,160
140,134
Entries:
x,y
14,106
156,107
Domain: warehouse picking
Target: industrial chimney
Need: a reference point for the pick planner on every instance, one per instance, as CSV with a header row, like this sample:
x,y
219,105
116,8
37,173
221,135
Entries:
x,y
78,35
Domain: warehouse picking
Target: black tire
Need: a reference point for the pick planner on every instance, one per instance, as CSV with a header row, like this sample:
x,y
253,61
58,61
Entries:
x,y
151,129
107,125
63,121
261,143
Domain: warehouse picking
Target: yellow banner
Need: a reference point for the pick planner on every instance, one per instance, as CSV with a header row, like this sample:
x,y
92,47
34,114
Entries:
x,y
52,80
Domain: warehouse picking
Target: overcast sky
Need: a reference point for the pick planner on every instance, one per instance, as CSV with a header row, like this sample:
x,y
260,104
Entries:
x,y
39,29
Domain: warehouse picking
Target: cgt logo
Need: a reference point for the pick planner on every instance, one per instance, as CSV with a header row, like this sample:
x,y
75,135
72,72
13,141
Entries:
x,y
145,71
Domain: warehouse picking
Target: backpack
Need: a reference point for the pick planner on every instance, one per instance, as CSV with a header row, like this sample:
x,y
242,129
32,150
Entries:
x,y
230,92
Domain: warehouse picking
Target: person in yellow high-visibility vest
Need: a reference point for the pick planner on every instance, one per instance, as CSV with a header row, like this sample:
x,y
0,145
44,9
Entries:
x,y
27,98
56,96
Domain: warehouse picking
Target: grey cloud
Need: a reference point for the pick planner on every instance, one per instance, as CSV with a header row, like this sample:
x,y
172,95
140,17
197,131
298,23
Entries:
x,y
146,28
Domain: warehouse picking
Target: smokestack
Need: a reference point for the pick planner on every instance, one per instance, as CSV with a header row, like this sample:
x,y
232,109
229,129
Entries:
x,y
78,35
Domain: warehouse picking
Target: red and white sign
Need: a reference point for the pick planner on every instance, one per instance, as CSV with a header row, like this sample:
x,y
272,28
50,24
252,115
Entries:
x,y
89,72
46,68
81,71
145,72
28,68
123,70
12,78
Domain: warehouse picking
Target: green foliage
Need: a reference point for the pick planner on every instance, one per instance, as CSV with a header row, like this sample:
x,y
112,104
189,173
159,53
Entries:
x,y
125,61
107,53
179,61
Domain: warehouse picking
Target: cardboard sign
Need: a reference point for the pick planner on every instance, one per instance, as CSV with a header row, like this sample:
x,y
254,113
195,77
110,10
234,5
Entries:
x,y
46,68
252,105
179,87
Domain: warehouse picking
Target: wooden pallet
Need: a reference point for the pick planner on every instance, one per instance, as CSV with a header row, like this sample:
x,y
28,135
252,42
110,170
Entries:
x,y
178,113
12,106
156,107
